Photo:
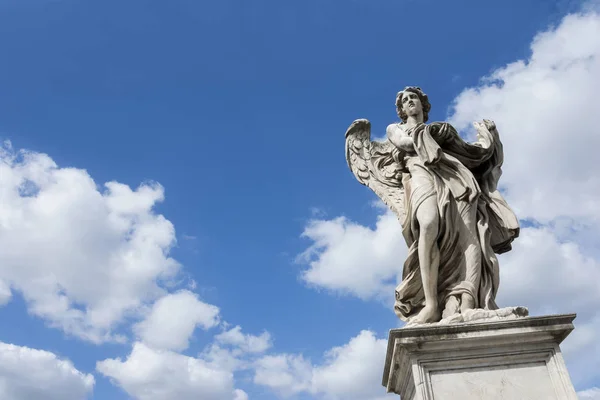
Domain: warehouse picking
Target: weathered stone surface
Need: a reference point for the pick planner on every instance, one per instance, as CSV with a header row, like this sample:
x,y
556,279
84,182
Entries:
x,y
478,315
499,360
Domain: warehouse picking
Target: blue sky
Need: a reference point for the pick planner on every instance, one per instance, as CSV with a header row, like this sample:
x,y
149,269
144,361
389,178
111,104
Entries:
x,y
238,111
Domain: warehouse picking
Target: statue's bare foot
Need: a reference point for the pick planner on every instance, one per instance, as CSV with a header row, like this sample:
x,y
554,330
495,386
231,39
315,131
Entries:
x,y
467,302
452,307
427,315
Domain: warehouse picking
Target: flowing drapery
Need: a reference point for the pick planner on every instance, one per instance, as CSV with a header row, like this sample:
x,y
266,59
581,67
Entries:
x,y
463,177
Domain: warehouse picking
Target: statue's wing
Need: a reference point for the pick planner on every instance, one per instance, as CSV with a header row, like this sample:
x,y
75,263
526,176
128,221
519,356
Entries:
x,y
377,165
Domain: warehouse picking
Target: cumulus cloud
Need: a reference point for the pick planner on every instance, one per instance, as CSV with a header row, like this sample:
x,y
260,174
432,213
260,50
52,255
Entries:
x,y
351,371
546,111
83,257
156,369
27,373
100,262
151,374
245,342
350,258
236,351
545,108
173,319
5,293
590,394
548,275
554,277
286,374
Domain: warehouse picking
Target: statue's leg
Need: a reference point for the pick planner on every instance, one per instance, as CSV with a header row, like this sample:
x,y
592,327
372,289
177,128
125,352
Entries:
x,y
470,240
429,258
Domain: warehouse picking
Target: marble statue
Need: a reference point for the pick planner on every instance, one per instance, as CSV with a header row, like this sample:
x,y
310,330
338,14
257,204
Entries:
x,y
444,192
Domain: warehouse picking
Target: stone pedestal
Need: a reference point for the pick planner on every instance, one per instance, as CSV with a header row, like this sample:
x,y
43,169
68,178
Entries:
x,y
517,359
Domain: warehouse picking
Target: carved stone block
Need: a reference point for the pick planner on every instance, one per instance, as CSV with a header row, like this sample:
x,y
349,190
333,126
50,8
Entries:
x,y
517,359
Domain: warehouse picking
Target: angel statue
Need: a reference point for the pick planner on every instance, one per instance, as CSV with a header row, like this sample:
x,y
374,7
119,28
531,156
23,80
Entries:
x,y
444,192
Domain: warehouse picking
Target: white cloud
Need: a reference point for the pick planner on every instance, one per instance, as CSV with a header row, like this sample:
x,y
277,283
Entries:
x,y
83,258
245,342
286,374
27,373
239,394
549,276
351,371
5,293
347,257
226,358
150,374
174,318
590,394
234,350
554,277
546,110
90,261
156,369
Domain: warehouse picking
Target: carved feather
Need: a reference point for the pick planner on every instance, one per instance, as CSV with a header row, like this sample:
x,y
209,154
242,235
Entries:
x,y
377,165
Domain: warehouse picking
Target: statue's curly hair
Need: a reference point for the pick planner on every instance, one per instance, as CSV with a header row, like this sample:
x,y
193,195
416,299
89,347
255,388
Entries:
x,y
422,96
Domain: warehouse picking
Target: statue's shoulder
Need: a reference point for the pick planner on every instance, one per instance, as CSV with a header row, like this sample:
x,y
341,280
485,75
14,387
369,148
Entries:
x,y
392,127
395,127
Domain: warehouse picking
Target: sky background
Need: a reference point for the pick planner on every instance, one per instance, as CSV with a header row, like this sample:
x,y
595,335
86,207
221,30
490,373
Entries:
x,y
177,219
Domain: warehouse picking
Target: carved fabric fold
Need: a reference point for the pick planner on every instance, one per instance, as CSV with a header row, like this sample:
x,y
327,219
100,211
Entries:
x,y
439,169
463,177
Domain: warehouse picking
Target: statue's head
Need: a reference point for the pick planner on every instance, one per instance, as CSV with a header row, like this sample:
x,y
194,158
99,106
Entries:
x,y
412,100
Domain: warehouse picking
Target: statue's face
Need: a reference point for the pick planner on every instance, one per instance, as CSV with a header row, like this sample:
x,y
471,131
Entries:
x,y
411,104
